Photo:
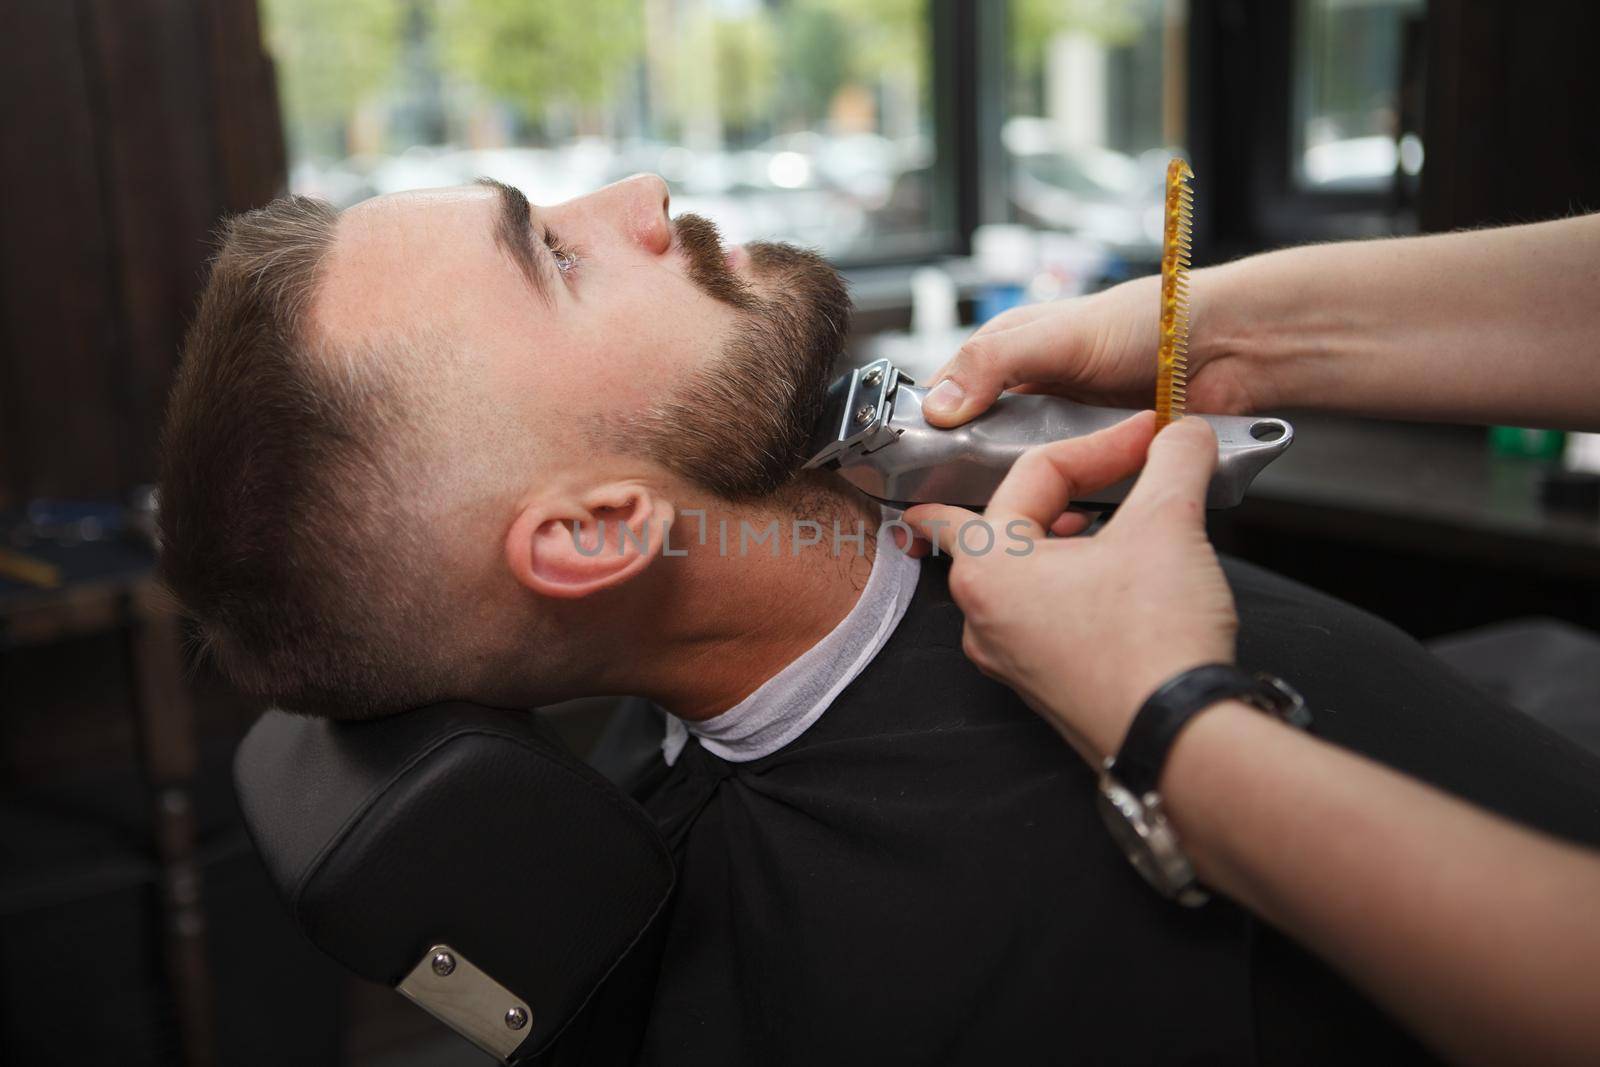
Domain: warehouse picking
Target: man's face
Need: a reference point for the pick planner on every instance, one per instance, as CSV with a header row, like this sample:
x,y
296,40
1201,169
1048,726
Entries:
x,y
599,326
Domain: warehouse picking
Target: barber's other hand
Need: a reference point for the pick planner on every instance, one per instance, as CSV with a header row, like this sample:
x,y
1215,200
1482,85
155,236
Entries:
x,y
1098,349
1085,628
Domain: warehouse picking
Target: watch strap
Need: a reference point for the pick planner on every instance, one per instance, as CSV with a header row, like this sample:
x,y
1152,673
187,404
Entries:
x,y
1169,709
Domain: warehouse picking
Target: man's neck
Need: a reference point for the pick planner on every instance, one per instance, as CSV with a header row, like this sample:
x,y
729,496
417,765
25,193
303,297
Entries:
x,y
737,611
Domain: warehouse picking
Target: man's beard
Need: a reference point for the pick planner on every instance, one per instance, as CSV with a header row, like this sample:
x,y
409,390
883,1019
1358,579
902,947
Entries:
x,y
739,426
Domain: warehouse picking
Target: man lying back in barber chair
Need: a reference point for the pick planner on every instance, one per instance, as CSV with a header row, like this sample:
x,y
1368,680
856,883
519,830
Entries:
x,y
432,449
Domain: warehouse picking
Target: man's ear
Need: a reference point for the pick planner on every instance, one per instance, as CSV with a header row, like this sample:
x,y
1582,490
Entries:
x,y
573,547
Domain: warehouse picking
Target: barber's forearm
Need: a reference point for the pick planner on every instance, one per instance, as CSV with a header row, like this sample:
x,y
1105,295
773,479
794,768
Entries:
x,y
1491,326
1483,937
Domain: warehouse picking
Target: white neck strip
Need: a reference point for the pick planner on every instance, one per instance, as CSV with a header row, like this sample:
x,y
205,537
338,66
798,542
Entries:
x,y
790,701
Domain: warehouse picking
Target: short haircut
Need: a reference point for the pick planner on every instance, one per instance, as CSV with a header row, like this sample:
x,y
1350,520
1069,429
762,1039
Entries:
x,y
285,490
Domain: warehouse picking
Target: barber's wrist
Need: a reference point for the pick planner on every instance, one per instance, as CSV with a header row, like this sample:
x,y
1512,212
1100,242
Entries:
x,y
1236,322
1191,720
1134,688
1221,727
1207,782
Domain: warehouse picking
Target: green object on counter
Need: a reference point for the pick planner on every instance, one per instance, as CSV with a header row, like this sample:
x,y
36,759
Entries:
x,y
1526,444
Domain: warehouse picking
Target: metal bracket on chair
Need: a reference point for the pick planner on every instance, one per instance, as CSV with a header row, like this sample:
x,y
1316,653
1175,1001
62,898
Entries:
x,y
450,988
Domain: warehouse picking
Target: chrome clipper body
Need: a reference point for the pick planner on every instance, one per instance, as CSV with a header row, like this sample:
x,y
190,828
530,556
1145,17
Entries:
x,y
872,431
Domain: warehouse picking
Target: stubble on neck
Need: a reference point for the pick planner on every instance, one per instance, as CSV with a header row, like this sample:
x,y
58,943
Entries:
x,y
760,611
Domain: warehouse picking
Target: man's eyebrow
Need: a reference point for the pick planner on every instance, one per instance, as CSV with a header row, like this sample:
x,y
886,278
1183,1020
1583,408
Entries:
x,y
513,232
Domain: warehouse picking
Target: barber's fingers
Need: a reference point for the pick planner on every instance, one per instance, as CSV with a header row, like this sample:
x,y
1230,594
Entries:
x,y
1047,478
1176,476
909,541
1039,349
940,525
1072,523
915,544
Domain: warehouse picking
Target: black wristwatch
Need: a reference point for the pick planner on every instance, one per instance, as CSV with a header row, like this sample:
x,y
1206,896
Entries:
x,y
1129,801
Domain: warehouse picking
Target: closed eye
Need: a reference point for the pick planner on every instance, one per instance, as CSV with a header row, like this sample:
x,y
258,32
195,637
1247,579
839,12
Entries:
x,y
562,255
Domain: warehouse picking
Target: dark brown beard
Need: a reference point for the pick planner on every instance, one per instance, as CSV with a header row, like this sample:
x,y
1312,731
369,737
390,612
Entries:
x,y
739,426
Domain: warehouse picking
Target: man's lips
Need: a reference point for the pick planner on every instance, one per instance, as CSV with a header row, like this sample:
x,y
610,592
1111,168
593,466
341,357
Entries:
x,y
736,257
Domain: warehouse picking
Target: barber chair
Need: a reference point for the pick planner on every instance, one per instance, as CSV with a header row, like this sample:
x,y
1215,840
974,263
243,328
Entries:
x,y
1545,668
462,856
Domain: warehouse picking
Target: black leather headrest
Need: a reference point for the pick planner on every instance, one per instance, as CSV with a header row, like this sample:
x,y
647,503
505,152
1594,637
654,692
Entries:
x,y
454,824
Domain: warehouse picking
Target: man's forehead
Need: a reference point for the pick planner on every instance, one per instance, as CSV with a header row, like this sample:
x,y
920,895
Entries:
x,y
419,219
398,206
410,253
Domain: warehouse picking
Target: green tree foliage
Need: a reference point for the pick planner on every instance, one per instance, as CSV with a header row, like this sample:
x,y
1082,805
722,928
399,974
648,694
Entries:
x,y
727,68
1034,22
745,51
532,53
748,66
815,60
888,38
330,58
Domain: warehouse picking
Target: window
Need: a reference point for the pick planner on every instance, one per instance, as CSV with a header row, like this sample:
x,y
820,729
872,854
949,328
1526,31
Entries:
x,y
1094,110
801,120
1349,56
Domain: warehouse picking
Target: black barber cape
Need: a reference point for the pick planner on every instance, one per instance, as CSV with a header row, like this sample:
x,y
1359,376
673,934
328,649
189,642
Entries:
x,y
922,877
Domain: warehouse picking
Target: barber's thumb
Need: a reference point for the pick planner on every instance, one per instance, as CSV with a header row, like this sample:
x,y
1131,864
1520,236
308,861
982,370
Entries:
x,y
966,385
938,525
1044,349
1177,470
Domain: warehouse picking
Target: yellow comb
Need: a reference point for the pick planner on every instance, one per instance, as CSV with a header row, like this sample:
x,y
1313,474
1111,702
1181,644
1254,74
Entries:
x,y
1177,237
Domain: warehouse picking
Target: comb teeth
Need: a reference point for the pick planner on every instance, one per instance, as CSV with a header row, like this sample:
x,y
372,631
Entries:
x,y
1177,248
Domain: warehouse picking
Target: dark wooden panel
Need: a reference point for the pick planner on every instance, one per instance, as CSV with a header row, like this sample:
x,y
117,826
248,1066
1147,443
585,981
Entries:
x,y
1509,123
1553,126
159,186
247,128
57,320
132,127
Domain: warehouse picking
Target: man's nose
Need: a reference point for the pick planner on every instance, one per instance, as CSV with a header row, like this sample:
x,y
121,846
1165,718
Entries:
x,y
640,205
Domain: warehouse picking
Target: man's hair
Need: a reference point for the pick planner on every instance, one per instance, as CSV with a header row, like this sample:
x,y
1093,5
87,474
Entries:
x,y
286,493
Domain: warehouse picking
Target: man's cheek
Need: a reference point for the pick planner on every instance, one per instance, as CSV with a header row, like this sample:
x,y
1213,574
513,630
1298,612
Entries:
x,y
651,342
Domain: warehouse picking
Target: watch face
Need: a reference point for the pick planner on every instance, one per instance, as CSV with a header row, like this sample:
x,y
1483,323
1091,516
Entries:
x,y
1124,818
1147,842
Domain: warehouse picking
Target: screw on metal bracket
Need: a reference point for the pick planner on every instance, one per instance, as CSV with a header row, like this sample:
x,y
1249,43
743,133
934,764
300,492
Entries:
x,y
864,413
873,376
456,991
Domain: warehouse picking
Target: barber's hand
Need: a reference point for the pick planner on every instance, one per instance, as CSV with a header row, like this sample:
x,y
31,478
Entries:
x,y
1086,628
1098,349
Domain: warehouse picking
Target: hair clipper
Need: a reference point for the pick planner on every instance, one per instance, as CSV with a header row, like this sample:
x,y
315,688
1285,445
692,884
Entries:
x,y
873,433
